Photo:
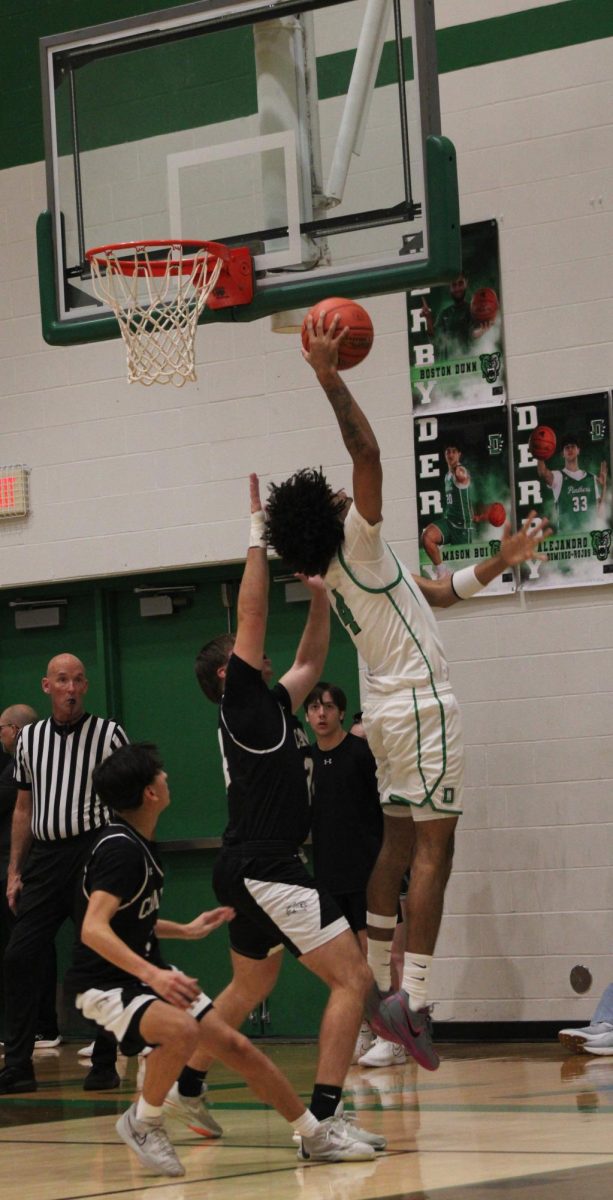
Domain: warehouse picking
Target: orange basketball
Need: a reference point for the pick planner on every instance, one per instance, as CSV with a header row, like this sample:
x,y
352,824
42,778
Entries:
x,y
497,513
357,342
484,304
542,442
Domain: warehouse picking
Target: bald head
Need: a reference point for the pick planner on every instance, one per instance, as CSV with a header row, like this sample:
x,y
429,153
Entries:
x,y
66,684
12,720
64,662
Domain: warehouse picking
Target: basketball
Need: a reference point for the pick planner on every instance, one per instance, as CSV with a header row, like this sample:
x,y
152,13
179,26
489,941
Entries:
x,y
497,513
484,304
357,342
542,442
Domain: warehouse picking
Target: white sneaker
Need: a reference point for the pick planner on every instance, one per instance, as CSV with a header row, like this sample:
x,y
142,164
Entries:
x,y
364,1041
576,1039
86,1051
601,1044
332,1143
150,1142
350,1121
192,1112
384,1054
43,1043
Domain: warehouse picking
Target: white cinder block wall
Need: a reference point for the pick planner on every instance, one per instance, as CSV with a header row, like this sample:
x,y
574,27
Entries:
x,y
127,479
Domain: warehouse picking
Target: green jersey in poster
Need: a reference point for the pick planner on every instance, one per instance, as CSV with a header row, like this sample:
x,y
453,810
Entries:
x,y
458,507
576,498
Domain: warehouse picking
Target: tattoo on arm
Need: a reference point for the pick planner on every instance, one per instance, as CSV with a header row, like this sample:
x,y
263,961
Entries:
x,y
356,433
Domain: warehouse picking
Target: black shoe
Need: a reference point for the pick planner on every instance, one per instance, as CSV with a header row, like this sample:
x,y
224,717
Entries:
x,y
101,1079
16,1079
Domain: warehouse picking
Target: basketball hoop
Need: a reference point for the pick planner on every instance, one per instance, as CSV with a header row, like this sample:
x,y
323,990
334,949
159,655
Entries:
x,y
158,290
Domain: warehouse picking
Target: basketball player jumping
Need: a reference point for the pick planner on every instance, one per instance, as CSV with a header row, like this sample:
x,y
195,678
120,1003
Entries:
x,y
410,715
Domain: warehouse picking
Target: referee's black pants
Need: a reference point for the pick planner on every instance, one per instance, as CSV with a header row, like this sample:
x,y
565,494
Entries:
x,y
50,880
46,1021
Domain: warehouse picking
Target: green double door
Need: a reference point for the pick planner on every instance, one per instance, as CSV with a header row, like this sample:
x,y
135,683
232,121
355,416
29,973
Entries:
x,y
141,672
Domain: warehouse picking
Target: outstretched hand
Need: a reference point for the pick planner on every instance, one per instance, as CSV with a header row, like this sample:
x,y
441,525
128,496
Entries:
x,y
314,583
323,349
254,493
206,922
518,547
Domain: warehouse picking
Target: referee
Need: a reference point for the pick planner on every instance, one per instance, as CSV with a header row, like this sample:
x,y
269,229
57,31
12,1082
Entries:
x,y
56,818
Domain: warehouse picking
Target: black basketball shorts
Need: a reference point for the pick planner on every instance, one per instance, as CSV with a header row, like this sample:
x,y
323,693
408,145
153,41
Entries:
x,y
277,902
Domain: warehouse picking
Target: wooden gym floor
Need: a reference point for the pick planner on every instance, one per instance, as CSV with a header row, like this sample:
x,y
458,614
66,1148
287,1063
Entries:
x,y
499,1122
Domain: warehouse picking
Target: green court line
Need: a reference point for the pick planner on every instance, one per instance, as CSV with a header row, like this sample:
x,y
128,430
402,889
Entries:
x,y
528,1109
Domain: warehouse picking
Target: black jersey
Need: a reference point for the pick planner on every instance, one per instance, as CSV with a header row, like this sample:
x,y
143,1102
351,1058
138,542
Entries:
x,y
347,825
267,772
126,865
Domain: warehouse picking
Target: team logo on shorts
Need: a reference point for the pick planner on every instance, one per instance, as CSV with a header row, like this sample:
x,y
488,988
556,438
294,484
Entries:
x,y
448,795
297,906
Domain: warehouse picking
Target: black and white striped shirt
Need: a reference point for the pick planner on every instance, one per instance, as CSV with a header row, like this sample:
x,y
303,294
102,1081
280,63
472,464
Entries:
x,y
55,762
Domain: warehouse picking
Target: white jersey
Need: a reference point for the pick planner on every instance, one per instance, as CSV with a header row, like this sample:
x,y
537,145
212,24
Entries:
x,y
383,611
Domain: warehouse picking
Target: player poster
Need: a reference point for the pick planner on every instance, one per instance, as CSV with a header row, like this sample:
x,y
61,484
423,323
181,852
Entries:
x,y
463,490
455,331
562,453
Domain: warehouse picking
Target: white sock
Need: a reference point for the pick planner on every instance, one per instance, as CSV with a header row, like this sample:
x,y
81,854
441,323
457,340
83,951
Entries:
x,y
306,1125
146,1111
379,953
380,963
415,978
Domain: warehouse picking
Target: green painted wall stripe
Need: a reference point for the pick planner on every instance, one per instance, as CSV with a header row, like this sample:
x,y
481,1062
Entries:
x,y
495,39
569,23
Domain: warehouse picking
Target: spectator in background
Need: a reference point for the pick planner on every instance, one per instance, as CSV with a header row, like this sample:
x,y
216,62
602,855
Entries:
x,y
346,823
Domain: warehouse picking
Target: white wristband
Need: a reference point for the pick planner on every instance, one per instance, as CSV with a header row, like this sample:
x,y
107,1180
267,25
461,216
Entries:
x,y
256,532
465,583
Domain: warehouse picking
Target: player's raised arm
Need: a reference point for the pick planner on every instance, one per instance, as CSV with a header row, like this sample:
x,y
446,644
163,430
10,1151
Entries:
x,y
544,472
252,604
312,650
356,430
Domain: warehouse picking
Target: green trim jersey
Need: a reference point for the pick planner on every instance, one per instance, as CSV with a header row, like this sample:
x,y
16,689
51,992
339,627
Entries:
x,y
458,503
411,716
576,495
383,611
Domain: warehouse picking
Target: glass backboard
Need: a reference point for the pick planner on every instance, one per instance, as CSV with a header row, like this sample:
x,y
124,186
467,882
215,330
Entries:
x,y
308,132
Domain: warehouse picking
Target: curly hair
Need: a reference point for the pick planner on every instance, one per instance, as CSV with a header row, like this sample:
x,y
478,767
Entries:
x,y
304,523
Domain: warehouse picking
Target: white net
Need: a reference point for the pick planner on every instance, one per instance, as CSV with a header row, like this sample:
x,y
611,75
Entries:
x,y
157,293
